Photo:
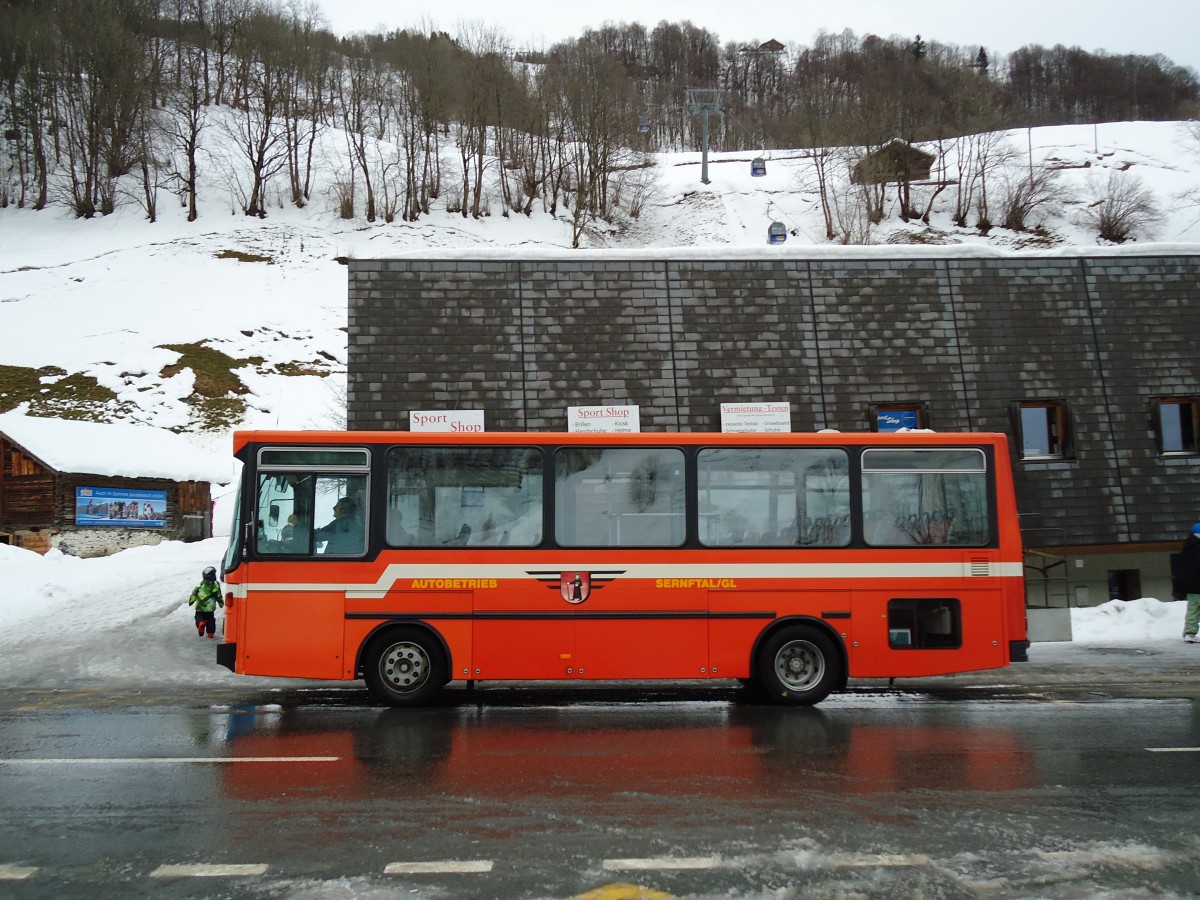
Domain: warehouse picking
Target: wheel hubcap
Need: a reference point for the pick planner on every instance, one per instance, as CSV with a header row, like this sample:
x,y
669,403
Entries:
x,y
799,665
404,666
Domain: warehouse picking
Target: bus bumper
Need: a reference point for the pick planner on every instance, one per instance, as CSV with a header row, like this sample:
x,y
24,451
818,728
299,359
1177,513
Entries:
x,y
227,656
1018,651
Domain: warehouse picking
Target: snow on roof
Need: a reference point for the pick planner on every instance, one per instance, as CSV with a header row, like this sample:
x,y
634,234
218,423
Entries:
x,y
797,252
118,450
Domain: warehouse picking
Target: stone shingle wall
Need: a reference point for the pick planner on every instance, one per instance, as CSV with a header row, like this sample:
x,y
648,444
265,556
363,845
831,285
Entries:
x,y
968,337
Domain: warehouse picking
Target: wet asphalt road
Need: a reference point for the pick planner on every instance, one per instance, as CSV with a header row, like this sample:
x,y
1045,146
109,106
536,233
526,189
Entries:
x,y
696,792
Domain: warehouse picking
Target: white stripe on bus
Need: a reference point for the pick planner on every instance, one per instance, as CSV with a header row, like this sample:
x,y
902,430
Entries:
x,y
751,572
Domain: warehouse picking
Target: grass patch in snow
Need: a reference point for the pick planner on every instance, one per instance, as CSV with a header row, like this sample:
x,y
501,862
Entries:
x,y
242,256
216,398
50,391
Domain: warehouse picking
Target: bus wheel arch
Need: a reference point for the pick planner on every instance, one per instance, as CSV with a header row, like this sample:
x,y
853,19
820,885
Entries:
x,y
404,663
799,661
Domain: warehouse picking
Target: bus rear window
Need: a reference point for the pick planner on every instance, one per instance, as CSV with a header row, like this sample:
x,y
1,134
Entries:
x,y
934,497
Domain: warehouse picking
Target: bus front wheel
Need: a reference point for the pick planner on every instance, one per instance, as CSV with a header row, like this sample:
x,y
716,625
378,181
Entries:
x,y
798,666
405,667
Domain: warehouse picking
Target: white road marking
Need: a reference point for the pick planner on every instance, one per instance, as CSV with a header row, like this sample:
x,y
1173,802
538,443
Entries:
x,y
16,873
102,760
863,860
208,870
663,862
439,867
1174,749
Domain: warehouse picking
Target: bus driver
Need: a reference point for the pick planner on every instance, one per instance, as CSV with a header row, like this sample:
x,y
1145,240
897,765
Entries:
x,y
345,533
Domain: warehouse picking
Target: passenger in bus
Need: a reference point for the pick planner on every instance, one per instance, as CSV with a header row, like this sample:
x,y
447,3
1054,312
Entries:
x,y
460,539
345,533
288,533
397,534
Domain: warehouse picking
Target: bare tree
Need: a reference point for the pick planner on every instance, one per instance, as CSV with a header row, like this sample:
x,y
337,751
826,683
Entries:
x,y
186,118
358,95
594,120
102,90
307,76
1123,208
851,204
258,131
28,65
1024,195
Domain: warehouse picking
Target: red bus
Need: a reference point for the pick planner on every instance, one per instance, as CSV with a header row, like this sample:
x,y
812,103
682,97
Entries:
x,y
792,562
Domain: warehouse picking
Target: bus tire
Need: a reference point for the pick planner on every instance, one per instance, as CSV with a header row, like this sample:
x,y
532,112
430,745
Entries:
x,y
798,666
405,667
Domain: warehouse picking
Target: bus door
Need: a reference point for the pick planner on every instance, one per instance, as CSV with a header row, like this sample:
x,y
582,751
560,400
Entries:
x,y
310,514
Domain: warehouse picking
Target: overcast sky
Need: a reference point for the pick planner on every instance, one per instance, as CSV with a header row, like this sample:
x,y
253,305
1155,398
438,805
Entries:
x,y
1170,27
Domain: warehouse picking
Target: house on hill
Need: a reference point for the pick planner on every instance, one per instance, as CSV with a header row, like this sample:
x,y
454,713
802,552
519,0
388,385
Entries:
x,y
897,161
92,489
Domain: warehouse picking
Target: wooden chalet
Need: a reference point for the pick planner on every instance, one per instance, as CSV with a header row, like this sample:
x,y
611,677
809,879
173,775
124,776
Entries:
x,y
897,161
91,489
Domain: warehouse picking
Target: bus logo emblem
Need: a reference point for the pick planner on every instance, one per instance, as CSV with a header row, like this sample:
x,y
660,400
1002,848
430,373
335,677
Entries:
x,y
575,587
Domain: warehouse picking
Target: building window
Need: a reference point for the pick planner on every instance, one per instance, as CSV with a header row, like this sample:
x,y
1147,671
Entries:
x,y
885,417
1124,584
1176,423
1043,428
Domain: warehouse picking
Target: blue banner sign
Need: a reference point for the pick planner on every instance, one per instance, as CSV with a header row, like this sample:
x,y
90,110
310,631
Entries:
x,y
895,419
123,507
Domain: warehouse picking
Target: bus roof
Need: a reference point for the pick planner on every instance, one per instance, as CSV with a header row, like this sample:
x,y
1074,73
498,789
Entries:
x,y
644,438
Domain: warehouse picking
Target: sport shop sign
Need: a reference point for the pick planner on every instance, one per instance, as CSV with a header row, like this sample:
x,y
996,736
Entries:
x,y
604,419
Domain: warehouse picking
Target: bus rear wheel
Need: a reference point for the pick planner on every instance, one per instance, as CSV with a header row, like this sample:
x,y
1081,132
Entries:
x,y
797,666
405,667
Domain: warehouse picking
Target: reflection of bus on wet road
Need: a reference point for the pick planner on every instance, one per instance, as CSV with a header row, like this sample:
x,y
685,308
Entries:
x,y
732,753
791,561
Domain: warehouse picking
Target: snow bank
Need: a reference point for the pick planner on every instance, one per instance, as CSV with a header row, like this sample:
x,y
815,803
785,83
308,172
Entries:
x,y
1137,621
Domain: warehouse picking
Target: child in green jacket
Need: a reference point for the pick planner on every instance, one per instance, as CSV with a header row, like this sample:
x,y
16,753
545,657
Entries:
x,y
207,597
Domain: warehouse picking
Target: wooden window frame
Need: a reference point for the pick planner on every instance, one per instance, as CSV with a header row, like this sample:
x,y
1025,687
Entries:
x,y
1061,442
1189,431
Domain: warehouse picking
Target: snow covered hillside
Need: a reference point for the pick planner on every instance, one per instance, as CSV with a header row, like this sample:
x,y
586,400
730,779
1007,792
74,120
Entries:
x,y
234,320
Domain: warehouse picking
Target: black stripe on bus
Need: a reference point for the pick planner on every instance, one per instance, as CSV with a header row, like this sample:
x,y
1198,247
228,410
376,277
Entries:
x,y
566,614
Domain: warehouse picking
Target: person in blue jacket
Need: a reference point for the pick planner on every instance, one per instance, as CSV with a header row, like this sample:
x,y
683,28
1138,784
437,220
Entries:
x,y
207,597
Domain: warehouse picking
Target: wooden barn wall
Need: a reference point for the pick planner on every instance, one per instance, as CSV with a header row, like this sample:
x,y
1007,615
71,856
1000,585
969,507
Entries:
x,y
26,488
